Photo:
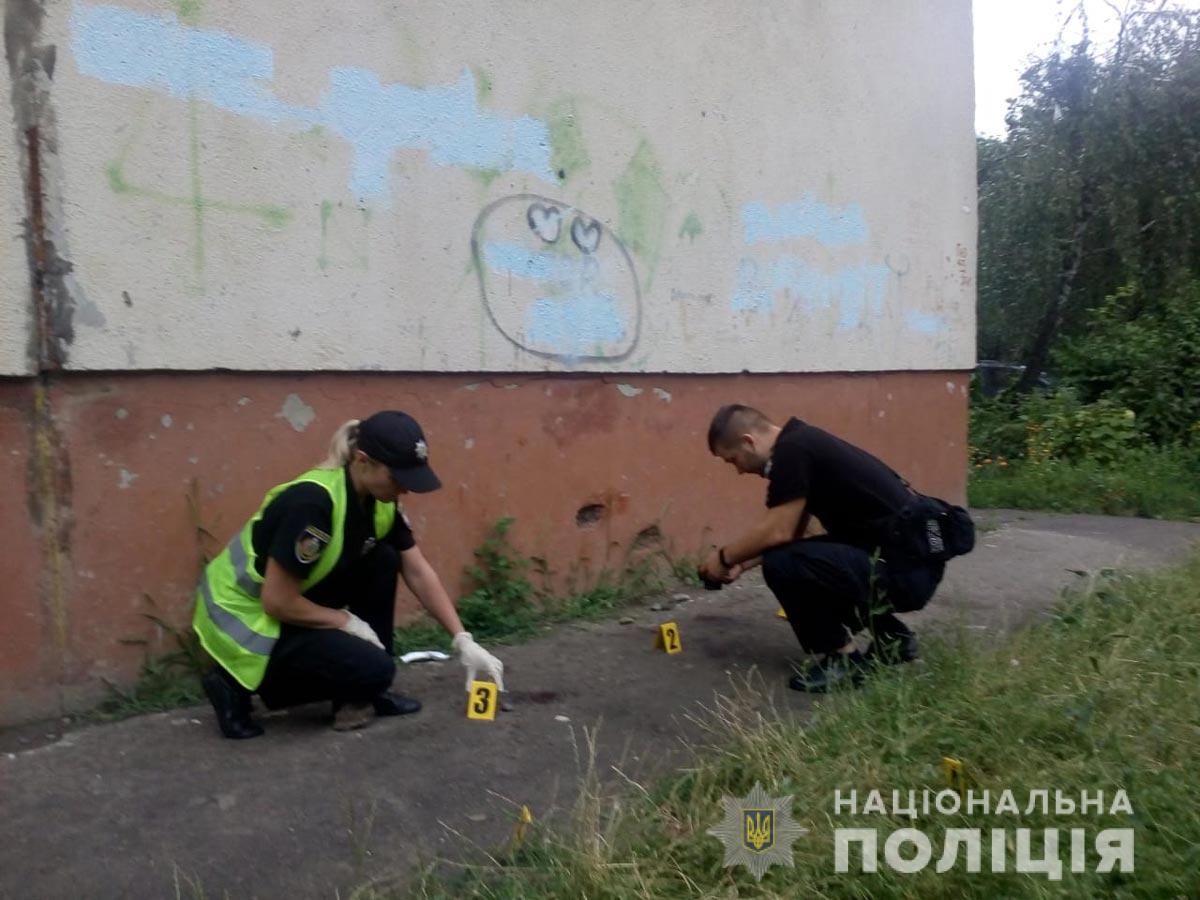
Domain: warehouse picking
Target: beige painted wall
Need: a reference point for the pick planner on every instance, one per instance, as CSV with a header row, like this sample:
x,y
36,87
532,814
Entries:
x,y
15,305
787,186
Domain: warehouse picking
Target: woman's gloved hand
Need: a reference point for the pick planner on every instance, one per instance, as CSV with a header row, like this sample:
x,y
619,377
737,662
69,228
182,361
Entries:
x,y
360,629
474,658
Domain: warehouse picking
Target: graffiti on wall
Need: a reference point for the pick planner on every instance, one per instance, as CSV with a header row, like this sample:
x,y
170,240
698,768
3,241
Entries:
x,y
775,279
555,281
158,53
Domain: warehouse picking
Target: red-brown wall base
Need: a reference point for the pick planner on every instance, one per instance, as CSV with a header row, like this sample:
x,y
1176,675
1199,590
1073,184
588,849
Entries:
x,y
123,481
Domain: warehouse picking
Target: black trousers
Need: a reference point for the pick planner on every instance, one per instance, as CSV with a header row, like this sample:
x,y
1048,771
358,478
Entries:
x,y
831,590
311,664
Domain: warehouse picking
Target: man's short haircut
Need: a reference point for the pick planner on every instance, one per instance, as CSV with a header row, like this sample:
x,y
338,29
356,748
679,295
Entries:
x,y
732,420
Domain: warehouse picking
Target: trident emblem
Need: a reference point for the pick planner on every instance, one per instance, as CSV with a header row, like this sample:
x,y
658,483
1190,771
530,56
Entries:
x,y
760,832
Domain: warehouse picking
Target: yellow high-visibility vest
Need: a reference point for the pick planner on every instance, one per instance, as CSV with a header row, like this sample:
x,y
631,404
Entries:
x,y
229,618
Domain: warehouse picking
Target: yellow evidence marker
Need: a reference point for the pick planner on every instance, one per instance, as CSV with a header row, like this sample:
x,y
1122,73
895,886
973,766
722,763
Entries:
x,y
781,612
524,820
481,700
668,638
956,777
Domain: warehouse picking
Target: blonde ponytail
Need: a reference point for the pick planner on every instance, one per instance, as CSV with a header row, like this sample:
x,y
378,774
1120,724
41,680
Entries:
x,y
341,446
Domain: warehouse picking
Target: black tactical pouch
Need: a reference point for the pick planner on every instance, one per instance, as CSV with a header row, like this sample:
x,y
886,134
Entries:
x,y
929,529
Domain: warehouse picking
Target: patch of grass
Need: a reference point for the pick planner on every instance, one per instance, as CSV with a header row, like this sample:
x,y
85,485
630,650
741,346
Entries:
x,y
1099,697
168,681
505,604
1160,484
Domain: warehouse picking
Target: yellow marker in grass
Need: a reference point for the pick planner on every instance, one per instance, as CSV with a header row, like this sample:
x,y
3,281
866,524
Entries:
x,y
481,700
956,776
524,820
668,638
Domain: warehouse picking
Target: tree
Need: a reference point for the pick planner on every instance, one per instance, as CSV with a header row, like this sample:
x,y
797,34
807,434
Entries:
x,y
1096,185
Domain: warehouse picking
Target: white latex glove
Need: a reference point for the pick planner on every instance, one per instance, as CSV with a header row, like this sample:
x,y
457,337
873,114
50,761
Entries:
x,y
474,658
360,629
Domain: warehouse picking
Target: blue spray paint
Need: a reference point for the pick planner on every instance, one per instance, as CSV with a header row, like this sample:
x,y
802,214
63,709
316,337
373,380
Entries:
x,y
924,323
852,289
575,325
751,295
505,258
120,46
805,218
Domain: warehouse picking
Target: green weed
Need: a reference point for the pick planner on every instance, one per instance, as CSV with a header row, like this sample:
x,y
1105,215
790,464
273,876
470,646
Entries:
x,y
1152,483
504,604
166,681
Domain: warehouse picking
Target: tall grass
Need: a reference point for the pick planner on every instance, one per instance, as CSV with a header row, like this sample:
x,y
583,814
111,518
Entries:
x,y
1152,483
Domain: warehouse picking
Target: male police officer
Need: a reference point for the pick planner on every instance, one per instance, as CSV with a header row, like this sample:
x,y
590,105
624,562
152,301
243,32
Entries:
x,y
835,584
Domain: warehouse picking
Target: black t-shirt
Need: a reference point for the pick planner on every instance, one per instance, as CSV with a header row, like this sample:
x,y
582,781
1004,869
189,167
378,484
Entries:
x,y
295,530
845,487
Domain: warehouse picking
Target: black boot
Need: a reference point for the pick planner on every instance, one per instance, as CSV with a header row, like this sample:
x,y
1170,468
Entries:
x,y
836,670
231,702
389,703
892,643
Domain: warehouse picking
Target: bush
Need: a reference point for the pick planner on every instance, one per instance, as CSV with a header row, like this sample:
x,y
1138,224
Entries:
x,y
1058,426
1142,354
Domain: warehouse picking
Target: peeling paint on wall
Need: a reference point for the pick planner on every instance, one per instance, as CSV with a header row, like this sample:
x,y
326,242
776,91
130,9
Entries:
x,y
297,413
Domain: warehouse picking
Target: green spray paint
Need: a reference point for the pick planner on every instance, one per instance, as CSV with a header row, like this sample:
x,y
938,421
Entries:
x,y
197,198
568,152
188,11
272,215
642,207
361,260
691,227
485,176
483,85
326,211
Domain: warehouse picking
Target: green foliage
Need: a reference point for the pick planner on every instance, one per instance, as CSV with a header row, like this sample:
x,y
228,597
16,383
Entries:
x,y
167,681
503,602
1055,426
1058,426
505,605
1143,354
1099,698
1149,482
1095,184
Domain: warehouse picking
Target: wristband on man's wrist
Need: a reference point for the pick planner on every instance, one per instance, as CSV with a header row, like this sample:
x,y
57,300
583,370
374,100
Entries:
x,y
721,557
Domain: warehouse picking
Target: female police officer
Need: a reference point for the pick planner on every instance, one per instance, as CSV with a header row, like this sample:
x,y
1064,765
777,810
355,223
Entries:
x,y
298,607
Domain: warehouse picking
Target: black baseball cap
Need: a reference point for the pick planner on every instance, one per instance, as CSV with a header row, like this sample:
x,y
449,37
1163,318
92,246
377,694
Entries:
x,y
395,439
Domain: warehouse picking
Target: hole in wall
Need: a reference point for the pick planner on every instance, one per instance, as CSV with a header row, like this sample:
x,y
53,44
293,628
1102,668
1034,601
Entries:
x,y
650,536
589,515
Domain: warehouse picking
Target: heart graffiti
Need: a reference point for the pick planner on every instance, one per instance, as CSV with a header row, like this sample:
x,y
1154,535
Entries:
x,y
586,234
545,221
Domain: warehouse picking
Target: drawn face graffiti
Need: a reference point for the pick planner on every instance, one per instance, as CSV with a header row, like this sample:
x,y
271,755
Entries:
x,y
555,281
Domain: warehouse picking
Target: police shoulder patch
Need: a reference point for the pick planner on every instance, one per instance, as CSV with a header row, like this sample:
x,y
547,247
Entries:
x,y
310,543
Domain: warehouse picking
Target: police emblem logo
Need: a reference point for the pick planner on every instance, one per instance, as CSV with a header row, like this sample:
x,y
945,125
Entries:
x,y
368,546
310,544
758,831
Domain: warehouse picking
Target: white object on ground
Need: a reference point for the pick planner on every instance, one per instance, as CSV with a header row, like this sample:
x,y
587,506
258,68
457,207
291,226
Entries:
x,y
413,656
